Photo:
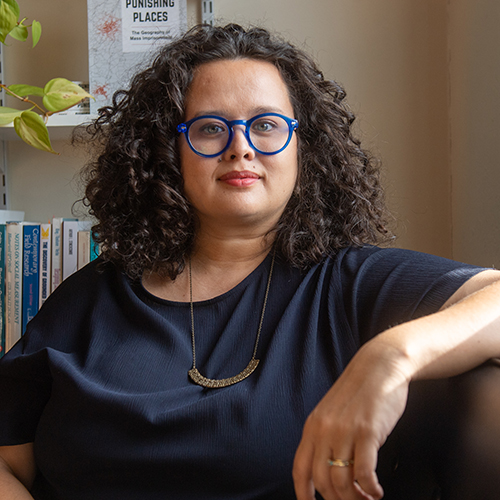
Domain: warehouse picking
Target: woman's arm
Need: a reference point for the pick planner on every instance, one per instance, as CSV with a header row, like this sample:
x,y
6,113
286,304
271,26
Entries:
x,y
357,414
17,471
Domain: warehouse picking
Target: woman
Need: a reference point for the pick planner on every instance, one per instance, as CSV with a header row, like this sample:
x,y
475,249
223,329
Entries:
x,y
201,356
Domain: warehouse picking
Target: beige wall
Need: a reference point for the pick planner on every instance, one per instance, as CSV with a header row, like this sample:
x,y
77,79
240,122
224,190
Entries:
x,y
475,130
422,76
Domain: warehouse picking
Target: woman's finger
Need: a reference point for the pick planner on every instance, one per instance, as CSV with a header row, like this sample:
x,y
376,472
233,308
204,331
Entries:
x,y
364,468
302,471
343,476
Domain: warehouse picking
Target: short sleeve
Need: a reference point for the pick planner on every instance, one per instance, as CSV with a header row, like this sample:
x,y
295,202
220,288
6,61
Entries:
x,y
386,287
25,386
27,371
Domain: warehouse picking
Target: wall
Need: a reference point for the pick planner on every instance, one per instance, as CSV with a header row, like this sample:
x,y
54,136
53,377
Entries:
x,y
475,130
393,58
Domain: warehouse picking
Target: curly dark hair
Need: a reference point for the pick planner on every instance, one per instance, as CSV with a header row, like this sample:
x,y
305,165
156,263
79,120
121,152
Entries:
x,y
134,185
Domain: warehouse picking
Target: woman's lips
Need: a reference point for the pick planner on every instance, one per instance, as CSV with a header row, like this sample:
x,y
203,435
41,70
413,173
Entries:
x,y
240,179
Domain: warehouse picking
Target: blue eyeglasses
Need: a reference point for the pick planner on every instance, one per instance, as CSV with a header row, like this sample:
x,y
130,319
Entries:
x,y
211,135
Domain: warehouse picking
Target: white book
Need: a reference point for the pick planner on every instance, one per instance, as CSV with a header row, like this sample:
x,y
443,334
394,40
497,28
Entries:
x,y
13,283
83,248
69,247
45,261
57,251
56,264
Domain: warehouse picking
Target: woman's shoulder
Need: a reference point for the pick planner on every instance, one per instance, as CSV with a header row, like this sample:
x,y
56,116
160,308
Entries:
x,y
370,255
96,276
96,289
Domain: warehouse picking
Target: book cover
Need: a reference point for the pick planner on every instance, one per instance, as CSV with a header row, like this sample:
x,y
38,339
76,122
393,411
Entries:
x,y
2,289
31,273
13,283
69,247
121,34
45,262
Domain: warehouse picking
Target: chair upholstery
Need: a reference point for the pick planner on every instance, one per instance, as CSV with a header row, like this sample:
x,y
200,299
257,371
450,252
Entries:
x,y
447,444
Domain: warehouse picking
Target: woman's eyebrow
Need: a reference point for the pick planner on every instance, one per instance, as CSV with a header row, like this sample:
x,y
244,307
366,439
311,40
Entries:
x,y
229,115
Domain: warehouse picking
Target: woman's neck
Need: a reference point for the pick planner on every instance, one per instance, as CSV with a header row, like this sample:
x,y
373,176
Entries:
x,y
217,265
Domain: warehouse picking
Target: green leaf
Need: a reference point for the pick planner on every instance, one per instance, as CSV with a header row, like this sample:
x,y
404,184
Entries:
x,y
32,130
7,115
20,32
62,94
36,32
25,90
9,14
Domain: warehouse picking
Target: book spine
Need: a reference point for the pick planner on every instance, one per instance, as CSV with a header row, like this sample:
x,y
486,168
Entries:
x,y
45,262
56,252
84,238
94,248
14,283
69,248
2,289
31,273
83,248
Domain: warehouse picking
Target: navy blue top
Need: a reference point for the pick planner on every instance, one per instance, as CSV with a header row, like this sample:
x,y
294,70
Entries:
x,y
99,382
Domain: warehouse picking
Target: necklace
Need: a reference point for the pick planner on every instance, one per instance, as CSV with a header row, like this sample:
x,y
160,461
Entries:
x,y
212,383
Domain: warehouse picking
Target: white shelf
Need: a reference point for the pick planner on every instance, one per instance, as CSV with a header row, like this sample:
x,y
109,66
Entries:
x,y
60,127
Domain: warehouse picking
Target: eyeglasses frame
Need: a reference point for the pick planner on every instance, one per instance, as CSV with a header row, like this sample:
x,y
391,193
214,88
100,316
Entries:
x,y
183,128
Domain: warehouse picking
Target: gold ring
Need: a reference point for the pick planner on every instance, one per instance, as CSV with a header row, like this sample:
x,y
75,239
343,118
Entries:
x,y
336,462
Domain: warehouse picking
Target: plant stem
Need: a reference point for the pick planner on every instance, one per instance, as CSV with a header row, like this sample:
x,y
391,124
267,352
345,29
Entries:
x,y
45,113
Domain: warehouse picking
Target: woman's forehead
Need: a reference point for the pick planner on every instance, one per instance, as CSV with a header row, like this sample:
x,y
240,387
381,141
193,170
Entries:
x,y
237,85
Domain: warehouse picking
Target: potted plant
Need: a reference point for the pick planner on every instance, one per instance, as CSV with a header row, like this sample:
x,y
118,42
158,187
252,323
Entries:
x,y
59,94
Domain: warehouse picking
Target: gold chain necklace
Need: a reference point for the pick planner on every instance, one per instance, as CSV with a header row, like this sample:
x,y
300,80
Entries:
x,y
212,383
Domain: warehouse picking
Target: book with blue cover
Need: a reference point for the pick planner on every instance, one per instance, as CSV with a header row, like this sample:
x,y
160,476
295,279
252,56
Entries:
x,y
31,273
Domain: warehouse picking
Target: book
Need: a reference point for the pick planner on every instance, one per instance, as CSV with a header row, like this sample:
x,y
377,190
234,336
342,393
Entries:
x,y
56,272
2,288
84,243
13,283
94,248
84,249
57,251
69,247
30,272
45,262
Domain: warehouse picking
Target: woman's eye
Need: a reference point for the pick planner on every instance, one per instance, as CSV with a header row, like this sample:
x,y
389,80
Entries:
x,y
212,129
263,126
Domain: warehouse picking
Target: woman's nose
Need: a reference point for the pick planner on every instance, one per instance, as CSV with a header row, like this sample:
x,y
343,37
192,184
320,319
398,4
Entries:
x,y
239,147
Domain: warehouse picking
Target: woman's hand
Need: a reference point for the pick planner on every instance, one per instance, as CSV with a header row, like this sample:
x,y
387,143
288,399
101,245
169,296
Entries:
x,y
351,422
17,471
357,414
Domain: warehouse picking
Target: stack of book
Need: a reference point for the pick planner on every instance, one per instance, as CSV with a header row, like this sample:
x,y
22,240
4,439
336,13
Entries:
x,y
34,259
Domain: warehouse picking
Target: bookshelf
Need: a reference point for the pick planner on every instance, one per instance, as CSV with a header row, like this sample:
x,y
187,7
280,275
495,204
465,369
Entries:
x,y
61,52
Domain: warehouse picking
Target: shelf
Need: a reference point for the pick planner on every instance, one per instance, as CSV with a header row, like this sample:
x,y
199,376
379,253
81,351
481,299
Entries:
x,y
60,127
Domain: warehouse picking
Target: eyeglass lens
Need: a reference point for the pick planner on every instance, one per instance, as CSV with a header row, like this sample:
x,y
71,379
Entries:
x,y
210,136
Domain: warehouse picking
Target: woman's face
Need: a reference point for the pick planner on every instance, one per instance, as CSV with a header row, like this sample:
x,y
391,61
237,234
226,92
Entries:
x,y
240,187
